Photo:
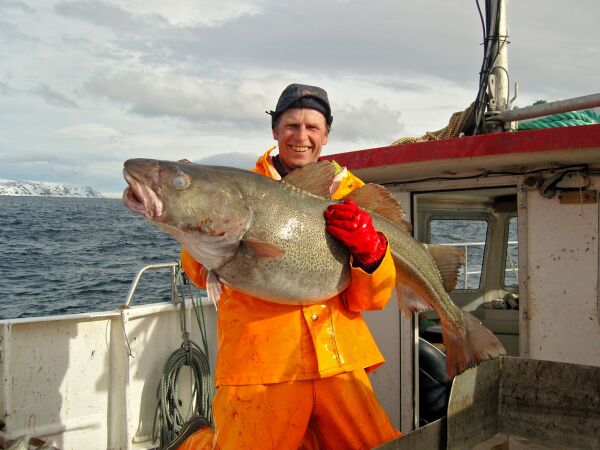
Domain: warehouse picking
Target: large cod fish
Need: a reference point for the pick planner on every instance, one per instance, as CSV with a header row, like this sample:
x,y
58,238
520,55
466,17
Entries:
x,y
267,238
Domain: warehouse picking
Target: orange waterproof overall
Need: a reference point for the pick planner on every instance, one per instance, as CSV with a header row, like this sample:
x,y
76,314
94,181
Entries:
x,y
291,376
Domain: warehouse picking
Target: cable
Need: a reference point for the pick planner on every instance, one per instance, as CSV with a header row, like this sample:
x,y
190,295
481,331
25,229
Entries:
x,y
491,41
485,174
169,419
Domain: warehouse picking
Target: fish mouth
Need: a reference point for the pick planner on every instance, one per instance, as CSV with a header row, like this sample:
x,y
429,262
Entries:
x,y
141,198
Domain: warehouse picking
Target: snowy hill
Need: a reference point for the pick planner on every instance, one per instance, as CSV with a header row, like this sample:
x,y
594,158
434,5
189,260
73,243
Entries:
x,y
45,189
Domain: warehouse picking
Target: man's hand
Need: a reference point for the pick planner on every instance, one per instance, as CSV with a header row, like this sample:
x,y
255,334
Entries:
x,y
354,227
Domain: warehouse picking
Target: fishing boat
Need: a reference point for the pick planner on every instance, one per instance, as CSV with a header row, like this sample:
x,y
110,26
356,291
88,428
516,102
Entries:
x,y
526,203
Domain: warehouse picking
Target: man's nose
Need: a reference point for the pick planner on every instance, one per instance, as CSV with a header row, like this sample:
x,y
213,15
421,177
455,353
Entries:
x,y
302,132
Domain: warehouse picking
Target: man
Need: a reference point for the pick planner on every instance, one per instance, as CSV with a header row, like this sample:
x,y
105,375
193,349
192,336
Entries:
x,y
291,376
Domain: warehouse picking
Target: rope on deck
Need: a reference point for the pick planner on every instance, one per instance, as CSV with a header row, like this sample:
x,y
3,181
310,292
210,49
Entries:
x,y
568,119
460,122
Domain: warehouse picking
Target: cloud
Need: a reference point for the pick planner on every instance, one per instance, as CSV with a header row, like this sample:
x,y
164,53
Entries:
x,y
241,160
180,96
296,39
204,12
54,97
5,89
89,131
14,5
372,121
9,33
110,16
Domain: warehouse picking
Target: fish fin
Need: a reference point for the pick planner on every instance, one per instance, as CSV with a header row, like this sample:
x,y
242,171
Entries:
x,y
379,200
213,288
216,238
448,261
409,301
316,178
468,345
263,249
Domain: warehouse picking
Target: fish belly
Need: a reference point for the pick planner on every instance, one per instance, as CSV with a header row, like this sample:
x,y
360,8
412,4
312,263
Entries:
x,y
313,266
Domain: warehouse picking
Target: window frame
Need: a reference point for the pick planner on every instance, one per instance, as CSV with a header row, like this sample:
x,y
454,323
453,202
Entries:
x,y
514,288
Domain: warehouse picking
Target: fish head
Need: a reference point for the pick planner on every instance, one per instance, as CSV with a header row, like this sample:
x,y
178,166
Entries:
x,y
200,206
162,191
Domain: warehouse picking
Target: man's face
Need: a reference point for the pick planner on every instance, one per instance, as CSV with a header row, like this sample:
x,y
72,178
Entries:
x,y
301,133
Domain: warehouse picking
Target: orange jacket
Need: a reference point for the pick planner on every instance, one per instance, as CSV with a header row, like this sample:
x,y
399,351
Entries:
x,y
261,342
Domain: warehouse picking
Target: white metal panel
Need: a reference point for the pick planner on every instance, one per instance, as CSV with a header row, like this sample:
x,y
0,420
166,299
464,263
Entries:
x,y
153,336
57,381
562,267
70,379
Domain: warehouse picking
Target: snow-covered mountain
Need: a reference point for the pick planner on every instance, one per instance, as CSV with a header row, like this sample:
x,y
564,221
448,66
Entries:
x,y
45,189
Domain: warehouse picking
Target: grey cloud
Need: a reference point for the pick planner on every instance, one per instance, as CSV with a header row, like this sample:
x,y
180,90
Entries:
x,y
371,122
15,5
294,39
109,16
180,97
231,159
12,33
567,50
5,89
54,97
411,40
402,86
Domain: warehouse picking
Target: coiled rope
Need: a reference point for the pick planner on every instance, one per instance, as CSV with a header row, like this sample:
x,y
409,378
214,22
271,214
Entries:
x,y
568,119
169,418
460,123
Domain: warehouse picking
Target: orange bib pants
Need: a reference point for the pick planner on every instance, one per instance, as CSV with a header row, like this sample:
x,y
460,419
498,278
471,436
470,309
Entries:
x,y
339,412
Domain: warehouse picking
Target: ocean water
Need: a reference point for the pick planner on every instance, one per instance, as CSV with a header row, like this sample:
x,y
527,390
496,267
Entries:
x,y
73,255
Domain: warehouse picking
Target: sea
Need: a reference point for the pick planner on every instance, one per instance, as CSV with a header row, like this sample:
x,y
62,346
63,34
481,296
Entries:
x,y
73,255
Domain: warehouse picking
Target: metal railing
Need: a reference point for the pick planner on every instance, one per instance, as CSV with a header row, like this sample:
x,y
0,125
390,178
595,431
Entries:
x,y
465,247
134,284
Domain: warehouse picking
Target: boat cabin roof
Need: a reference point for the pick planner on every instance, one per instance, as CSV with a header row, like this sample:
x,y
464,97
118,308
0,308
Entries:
x,y
499,153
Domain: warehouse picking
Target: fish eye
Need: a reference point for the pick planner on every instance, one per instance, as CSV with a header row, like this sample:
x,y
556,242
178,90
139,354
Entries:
x,y
181,181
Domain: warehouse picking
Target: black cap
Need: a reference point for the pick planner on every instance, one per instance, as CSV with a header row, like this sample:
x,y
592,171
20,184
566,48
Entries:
x,y
302,96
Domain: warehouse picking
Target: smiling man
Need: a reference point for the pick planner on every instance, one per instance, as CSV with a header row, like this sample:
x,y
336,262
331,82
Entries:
x,y
295,376
301,123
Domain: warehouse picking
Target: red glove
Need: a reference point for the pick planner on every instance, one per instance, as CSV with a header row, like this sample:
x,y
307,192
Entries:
x,y
354,227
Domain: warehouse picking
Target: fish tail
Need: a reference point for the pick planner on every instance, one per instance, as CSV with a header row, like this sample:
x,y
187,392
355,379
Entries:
x,y
469,345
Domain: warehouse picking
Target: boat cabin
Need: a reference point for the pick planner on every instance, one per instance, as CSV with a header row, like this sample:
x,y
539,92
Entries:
x,y
524,208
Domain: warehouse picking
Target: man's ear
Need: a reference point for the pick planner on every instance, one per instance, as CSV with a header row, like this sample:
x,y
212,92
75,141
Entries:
x,y
275,133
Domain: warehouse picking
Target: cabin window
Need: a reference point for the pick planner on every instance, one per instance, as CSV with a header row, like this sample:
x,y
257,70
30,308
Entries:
x,y
468,234
511,257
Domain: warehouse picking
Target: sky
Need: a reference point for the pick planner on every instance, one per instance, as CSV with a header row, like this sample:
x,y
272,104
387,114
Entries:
x,y
85,85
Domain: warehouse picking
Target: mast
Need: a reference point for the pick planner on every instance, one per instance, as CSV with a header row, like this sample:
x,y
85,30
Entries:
x,y
493,94
498,88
